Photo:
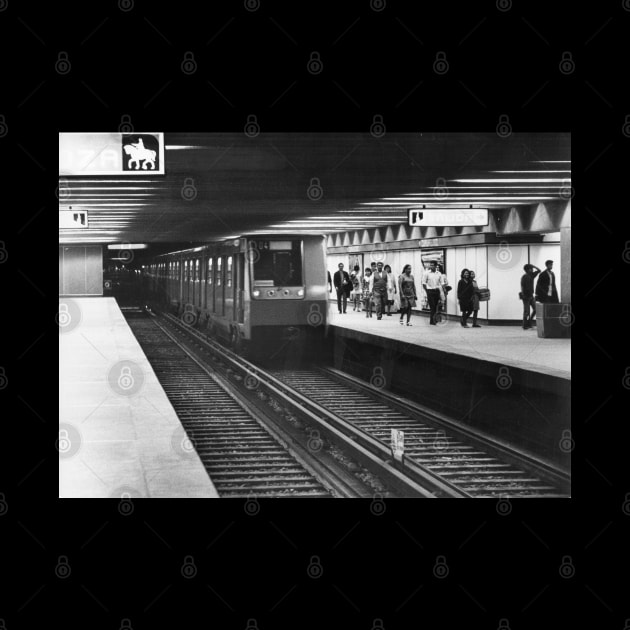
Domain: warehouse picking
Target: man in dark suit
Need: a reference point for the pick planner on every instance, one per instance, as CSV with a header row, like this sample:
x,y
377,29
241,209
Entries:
x,y
546,291
343,285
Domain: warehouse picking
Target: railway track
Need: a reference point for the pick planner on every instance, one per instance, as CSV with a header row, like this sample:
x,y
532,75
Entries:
x,y
464,461
241,456
443,459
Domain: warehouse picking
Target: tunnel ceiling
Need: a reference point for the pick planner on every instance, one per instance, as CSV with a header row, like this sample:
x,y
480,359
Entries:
x,y
221,185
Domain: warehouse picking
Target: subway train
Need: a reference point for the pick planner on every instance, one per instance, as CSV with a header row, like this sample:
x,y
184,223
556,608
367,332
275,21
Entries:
x,y
260,294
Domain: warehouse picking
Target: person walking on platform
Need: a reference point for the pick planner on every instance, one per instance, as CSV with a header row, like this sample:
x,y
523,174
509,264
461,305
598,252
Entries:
x,y
527,294
367,295
475,299
391,289
444,289
431,281
546,291
342,283
355,295
407,292
378,287
464,295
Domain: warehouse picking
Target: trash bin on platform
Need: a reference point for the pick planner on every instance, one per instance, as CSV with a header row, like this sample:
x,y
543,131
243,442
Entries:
x,y
553,321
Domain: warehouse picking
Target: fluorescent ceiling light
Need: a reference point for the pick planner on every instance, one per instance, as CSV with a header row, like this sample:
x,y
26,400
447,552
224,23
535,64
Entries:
x,y
539,172
509,181
128,246
182,147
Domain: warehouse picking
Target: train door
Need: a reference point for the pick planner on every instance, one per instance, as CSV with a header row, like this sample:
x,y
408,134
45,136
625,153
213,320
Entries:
x,y
229,288
210,285
218,287
239,287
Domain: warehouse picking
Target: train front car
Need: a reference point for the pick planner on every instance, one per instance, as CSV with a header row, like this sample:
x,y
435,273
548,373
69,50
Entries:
x,y
287,296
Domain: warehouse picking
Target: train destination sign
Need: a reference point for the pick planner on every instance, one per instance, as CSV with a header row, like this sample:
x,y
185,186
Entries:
x,y
447,217
111,154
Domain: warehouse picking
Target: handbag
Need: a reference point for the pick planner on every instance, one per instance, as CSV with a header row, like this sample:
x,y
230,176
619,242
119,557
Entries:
x,y
484,294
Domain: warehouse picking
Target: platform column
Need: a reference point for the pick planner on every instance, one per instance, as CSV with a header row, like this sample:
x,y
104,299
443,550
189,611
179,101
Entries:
x,y
565,265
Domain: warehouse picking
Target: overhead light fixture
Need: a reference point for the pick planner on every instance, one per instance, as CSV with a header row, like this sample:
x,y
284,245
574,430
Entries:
x,y
127,246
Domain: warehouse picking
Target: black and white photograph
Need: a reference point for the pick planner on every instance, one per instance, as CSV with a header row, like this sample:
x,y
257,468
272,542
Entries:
x,y
314,315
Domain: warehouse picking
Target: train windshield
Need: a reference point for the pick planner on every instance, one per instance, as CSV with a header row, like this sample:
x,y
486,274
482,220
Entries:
x,y
277,263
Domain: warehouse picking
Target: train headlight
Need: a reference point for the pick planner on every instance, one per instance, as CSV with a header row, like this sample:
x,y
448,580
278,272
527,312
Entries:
x,y
271,293
286,292
256,293
300,292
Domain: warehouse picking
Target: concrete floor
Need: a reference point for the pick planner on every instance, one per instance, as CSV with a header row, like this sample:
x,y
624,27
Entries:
x,y
117,438
507,345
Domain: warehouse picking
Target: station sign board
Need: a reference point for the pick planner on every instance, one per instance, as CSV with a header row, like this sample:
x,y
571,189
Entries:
x,y
120,154
447,217
73,219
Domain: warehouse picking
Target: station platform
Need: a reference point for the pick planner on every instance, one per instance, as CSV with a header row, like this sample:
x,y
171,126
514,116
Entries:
x,y
505,345
502,380
119,436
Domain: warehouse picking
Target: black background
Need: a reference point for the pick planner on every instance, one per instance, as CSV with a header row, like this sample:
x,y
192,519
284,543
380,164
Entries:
x,y
129,63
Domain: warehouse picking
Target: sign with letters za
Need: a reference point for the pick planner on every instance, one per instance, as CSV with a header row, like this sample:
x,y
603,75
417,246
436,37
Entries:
x,y
447,217
111,154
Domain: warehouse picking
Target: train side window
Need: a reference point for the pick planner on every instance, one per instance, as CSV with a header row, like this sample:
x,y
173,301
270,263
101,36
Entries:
x,y
228,272
218,283
209,272
197,269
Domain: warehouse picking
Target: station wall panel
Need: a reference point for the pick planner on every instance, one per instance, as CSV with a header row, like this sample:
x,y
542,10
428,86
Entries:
x,y
80,270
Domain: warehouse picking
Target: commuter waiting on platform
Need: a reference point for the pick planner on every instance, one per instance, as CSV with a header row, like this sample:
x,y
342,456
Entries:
x,y
391,289
407,292
465,295
378,287
475,299
546,291
431,280
355,295
366,293
527,295
343,285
